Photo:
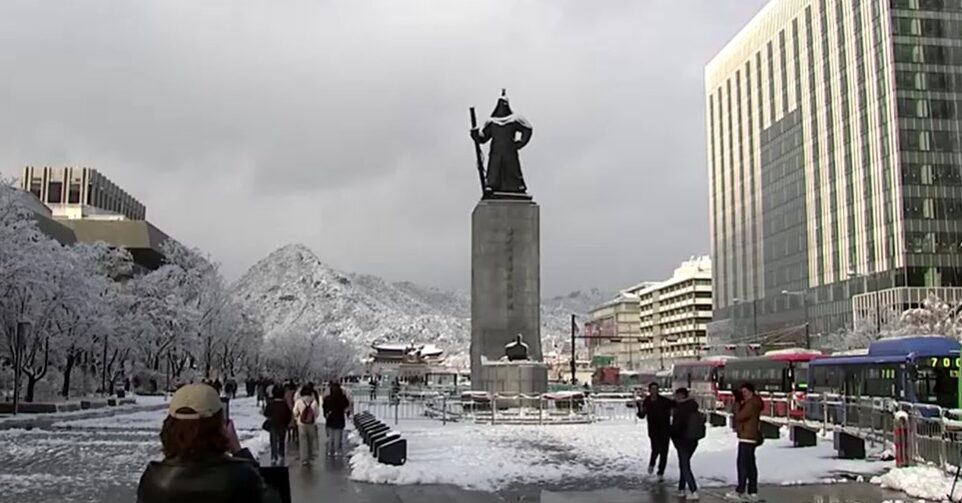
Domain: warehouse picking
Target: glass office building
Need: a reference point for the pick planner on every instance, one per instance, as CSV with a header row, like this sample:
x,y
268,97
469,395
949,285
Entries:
x,y
835,161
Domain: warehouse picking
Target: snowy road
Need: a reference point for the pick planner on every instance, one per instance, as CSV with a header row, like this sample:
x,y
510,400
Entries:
x,y
94,460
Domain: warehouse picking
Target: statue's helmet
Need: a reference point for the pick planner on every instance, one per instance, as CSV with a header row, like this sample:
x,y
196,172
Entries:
x,y
503,108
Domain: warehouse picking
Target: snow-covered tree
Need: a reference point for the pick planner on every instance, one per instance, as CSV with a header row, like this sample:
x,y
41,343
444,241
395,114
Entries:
x,y
933,317
106,268
308,356
85,308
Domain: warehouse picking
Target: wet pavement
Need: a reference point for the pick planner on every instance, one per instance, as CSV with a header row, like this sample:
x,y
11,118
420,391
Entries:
x,y
328,481
100,459
76,465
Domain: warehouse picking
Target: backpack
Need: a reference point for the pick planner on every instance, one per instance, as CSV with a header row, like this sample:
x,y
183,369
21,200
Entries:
x,y
695,426
307,414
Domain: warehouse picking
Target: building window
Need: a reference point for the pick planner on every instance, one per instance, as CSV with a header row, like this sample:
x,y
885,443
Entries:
x,y
55,192
36,185
73,196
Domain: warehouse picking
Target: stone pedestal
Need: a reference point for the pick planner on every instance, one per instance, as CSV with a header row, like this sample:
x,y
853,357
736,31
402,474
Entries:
x,y
505,280
513,378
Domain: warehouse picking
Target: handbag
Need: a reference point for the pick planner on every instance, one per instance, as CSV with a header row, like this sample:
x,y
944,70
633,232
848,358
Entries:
x,y
267,425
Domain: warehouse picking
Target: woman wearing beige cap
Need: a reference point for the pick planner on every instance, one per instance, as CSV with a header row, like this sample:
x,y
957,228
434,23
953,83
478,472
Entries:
x,y
203,459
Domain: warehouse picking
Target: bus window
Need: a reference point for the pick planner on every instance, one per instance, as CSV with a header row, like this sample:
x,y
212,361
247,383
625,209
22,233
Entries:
x,y
937,384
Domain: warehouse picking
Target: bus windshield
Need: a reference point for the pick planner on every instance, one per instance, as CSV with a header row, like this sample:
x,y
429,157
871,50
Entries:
x,y
937,381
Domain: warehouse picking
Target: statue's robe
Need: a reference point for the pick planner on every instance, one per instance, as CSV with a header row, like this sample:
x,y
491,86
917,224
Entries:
x,y
504,166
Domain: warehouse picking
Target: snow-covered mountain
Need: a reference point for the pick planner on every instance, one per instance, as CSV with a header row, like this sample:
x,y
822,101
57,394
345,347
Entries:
x,y
291,290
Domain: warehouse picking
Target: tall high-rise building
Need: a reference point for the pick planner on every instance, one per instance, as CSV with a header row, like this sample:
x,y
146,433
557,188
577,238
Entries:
x,y
835,161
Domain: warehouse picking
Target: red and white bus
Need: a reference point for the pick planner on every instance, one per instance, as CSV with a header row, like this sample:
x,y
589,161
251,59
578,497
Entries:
x,y
703,378
780,377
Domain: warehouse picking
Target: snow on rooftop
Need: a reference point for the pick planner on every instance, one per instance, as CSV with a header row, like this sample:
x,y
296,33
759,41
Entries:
x,y
851,352
719,358
425,349
793,351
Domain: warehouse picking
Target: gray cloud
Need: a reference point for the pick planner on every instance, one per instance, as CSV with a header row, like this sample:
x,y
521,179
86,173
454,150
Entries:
x,y
343,125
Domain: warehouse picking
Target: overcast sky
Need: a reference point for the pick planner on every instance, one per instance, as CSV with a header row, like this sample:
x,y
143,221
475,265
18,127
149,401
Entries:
x,y
246,125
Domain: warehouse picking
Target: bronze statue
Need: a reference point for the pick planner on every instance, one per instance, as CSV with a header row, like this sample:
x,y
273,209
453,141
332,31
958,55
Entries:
x,y
517,350
504,167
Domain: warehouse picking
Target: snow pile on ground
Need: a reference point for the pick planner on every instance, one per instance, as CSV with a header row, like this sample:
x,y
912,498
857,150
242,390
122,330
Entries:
x,y
928,482
491,458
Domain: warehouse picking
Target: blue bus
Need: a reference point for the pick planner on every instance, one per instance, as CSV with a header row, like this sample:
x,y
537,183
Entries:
x,y
921,370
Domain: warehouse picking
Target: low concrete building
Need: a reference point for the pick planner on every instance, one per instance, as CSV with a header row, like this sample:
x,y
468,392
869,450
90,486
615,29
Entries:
x,y
139,237
69,187
81,205
46,223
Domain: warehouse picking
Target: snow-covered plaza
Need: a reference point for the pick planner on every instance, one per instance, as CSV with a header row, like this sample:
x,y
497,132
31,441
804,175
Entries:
x,y
97,459
100,459
497,457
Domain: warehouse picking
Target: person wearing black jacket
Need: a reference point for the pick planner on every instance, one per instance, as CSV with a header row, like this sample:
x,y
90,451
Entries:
x,y
279,416
657,410
336,407
203,459
687,428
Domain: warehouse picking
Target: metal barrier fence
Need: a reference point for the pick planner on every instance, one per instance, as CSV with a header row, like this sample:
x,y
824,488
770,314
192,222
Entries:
x,y
927,433
501,408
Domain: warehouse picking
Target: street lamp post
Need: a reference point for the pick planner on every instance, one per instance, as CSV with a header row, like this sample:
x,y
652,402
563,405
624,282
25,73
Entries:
x,y
804,296
574,366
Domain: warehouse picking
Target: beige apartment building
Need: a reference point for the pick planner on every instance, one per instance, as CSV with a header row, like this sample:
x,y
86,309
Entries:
x,y
612,332
674,314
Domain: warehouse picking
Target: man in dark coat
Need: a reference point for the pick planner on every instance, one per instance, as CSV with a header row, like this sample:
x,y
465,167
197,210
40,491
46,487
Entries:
x,y
657,410
687,428
504,165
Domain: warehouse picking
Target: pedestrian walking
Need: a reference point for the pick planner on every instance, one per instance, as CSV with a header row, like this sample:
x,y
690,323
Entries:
x,y
373,388
313,388
657,410
306,414
396,391
260,390
230,388
748,412
203,459
337,406
279,416
687,428
290,396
